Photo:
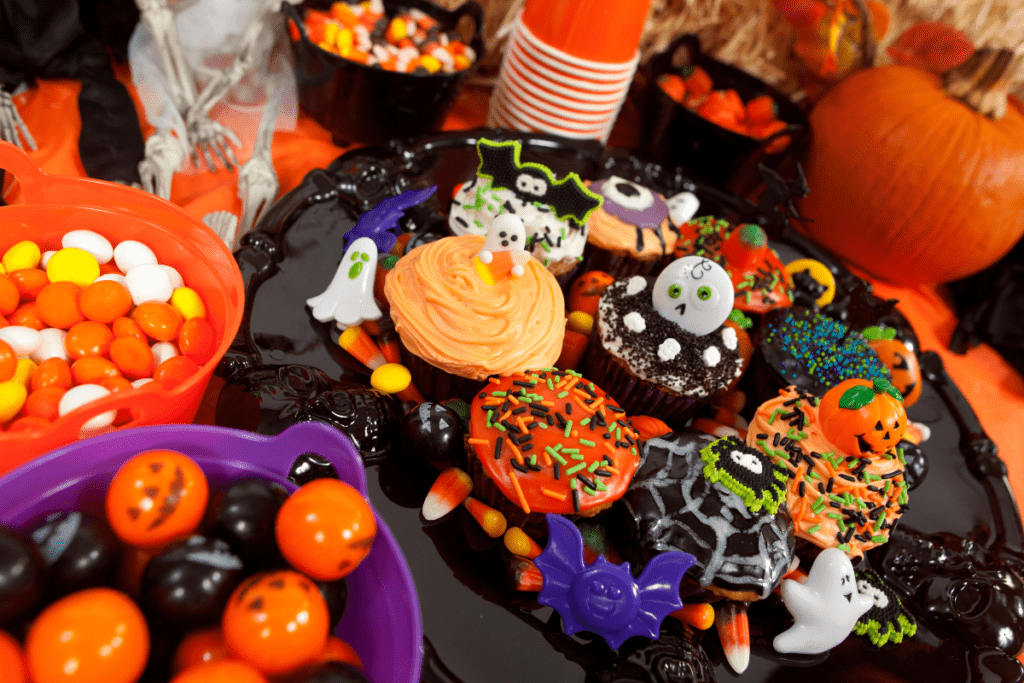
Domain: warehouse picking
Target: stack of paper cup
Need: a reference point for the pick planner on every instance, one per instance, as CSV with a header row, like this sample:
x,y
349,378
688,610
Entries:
x,y
576,87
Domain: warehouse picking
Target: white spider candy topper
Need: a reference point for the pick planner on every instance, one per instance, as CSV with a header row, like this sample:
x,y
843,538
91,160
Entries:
x,y
825,608
694,293
506,234
349,298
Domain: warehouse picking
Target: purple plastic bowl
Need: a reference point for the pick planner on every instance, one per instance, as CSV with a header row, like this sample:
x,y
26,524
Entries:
x,y
382,619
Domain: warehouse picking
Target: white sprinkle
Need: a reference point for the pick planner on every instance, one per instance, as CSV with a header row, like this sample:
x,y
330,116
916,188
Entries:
x,y
669,349
712,356
729,338
636,284
634,322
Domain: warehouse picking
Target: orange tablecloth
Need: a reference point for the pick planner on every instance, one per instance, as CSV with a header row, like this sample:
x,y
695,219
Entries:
x,y
994,388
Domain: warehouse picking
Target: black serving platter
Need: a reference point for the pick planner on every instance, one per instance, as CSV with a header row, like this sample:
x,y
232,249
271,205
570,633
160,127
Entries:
x,y
285,367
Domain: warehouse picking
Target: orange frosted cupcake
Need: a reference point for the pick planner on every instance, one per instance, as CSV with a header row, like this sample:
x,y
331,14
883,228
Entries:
x,y
847,486
457,330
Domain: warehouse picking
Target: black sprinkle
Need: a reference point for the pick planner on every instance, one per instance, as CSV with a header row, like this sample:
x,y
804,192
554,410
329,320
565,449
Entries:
x,y
775,439
516,465
847,477
535,468
550,420
762,437
537,413
602,473
614,409
568,409
497,448
821,488
537,406
576,500
462,221
520,410
892,475
482,394
802,488
587,482
831,483
526,447
561,420
558,471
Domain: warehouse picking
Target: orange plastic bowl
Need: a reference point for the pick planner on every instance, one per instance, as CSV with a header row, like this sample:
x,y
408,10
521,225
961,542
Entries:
x,y
51,206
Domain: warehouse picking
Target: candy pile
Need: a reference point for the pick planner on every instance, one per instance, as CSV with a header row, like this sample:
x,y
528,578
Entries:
x,y
88,320
176,584
410,42
757,118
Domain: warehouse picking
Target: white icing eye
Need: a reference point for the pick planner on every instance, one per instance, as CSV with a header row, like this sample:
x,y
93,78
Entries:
x,y
747,461
528,184
682,208
695,293
540,188
627,194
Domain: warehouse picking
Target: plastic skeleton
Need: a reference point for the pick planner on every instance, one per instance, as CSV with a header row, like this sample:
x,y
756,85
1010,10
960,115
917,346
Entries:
x,y
206,138
12,128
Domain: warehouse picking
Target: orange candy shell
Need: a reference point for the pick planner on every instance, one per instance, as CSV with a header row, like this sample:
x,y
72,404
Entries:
x,y
27,315
88,338
156,497
105,301
9,296
29,281
12,661
28,424
52,372
325,529
159,321
222,671
93,370
93,636
174,371
197,340
198,647
126,327
58,305
8,361
43,403
132,357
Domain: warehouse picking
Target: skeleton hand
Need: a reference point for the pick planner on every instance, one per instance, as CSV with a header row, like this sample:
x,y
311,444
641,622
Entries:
x,y
225,224
208,137
163,159
12,128
257,188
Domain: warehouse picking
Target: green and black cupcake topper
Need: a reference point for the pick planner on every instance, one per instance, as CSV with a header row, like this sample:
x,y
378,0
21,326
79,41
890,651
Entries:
x,y
887,621
745,471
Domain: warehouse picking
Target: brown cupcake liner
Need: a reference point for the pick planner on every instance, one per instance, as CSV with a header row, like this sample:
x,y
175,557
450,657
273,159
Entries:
x,y
637,396
435,384
621,264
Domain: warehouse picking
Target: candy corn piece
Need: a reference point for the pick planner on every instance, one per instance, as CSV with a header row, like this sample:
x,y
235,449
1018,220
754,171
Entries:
x,y
490,520
361,346
734,633
447,493
699,615
393,378
501,265
650,427
524,575
574,345
388,342
519,543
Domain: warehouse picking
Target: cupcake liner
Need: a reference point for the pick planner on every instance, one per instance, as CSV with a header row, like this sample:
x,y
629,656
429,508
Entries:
x,y
620,264
435,384
637,396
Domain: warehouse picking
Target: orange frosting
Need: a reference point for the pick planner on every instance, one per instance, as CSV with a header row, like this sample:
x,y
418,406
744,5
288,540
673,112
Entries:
x,y
539,467
816,521
446,314
610,233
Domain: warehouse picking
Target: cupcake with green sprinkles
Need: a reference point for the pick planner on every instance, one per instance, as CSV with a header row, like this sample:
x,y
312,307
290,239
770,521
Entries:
x,y
800,347
549,441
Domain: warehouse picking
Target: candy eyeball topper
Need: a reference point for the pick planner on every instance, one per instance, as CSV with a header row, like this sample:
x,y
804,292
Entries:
x,y
694,293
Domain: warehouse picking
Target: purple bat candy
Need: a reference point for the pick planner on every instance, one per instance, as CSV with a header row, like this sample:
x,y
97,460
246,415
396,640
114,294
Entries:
x,y
604,598
380,223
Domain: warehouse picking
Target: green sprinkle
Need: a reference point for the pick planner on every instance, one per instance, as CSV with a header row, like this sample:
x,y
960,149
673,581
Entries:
x,y
594,465
878,523
878,539
888,486
834,515
587,442
842,526
478,223
778,411
633,451
618,433
543,425
818,505
899,453
813,474
544,244
868,477
568,428
589,491
501,428
837,499
499,393
533,459
585,421
600,485
762,444
556,456
570,450
576,456
793,435
845,547
551,385
576,468
572,484
814,529
563,394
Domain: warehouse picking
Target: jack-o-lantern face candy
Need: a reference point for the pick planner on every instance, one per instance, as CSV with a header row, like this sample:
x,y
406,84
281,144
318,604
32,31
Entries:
x,y
155,498
901,361
863,417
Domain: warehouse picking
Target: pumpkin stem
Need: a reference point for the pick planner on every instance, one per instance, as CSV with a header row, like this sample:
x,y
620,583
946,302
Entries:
x,y
868,45
983,80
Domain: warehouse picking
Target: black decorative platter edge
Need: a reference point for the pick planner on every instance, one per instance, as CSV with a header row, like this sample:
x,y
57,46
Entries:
x,y
284,367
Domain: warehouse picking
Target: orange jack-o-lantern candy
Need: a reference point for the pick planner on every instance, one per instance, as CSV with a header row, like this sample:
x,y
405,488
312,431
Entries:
x,y
12,661
325,529
156,497
223,671
863,417
586,291
276,621
93,636
199,647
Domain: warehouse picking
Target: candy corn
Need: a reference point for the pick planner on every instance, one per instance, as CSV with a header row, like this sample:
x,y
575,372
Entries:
x,y
361,346
524,575
519,543
448,492
734,633
490,520
699,615
649,427
388,342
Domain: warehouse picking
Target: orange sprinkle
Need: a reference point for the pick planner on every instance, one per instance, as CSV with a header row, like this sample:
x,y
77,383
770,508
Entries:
x,y
546,458
584,406
611,469
575,433
609,447
597,404
515,452
549,404
522,425
508,414
494,380
553,494
513,399
519,491
572,383
479,442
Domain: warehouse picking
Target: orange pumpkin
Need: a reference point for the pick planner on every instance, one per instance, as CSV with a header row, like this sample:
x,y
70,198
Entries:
x,y
901,361
586,291
863,417
908,183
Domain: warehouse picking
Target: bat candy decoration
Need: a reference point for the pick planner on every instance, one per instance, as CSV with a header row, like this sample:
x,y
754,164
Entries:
x,y
568,197
602,597
380,223
695,293
505,238
826,607
682,208
348,300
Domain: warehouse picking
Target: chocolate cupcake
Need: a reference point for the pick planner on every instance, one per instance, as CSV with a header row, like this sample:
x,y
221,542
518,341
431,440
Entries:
x,y
660,344
630,234
718,500
549,441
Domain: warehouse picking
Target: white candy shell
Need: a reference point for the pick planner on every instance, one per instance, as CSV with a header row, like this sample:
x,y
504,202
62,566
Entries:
x,y
45,258
83,394
176,279
149,283
694,293
113,277
141,382
24,341
51,345
162,351
92,242
131,254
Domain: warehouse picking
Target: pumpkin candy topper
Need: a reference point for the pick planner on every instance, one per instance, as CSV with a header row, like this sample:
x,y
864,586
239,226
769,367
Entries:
x,y
863,417
901,361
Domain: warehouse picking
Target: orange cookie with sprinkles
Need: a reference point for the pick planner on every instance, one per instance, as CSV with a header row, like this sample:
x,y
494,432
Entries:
x,y
837,498
549,441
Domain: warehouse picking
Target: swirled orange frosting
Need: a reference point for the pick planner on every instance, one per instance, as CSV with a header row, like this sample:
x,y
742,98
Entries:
x,y
835,499
446,315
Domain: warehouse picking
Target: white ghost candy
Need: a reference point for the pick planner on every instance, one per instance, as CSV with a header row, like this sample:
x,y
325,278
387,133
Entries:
x,y
349,298
826,607
634,322
694,293
682,208
635,285
669,349
506,234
